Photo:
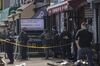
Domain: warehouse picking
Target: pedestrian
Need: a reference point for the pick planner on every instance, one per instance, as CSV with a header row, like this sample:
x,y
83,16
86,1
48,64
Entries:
x,y
83,43
45,41
65,38
9,49
74,47
23,39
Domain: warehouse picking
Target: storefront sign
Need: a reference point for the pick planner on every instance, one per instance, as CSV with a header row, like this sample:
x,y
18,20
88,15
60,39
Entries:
x,y
58,7
32,24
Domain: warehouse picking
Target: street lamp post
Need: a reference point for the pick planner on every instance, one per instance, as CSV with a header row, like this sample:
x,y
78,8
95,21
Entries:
x,y
19,11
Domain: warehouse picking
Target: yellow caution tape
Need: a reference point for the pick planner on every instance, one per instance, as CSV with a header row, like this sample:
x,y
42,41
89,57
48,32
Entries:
x,y
32,46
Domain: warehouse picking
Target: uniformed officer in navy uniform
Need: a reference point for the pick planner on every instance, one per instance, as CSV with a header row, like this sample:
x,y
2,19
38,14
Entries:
x,y
9,46
23,38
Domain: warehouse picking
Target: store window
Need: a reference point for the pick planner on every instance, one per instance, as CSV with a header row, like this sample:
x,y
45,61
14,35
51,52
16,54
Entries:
x,y
53,2
39,0
22,2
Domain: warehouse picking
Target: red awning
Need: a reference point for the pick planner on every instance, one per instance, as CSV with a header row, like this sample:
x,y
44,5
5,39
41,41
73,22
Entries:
x,y
60,7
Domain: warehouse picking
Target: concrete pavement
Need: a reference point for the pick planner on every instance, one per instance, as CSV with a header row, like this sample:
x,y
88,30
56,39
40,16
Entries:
x,y
30,62
36,62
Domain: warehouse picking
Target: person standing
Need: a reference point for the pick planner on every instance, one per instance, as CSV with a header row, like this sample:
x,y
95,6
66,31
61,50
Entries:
x,y
65,38
45,41
23,39
83,43
9,46
55,41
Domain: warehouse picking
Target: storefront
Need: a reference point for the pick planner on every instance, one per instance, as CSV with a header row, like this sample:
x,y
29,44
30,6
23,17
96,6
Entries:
x,y
58,15
67,14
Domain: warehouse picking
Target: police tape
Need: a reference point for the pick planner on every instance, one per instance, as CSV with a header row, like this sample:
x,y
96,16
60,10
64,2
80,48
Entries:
x,y
27,46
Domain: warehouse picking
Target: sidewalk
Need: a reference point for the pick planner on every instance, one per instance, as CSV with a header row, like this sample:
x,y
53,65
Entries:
x,y
30,62
37,61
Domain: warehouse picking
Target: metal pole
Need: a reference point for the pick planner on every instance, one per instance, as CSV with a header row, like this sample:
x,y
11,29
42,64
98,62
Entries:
x,y
13,25
19,22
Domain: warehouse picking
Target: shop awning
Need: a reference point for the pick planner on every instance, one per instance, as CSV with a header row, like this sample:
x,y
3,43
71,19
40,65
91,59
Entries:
x,y
60,7
5,13
27,10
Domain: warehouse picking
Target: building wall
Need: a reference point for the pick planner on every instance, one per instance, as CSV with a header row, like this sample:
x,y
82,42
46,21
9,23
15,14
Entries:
x,y
96,1
12,3
90,13
94,26
28,12
55,1
6,4
41,3
19,2
98,24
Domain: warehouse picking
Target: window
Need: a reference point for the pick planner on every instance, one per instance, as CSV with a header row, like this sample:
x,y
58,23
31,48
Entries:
x,y
53,2
21,2
25,1
56,1
39,0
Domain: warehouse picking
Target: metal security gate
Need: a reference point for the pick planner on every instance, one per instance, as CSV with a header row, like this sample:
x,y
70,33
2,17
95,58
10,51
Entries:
x,y
36,46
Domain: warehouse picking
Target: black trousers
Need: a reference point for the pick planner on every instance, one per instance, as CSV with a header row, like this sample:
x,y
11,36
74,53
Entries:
x,y
66,51
9,50
23,52
10,56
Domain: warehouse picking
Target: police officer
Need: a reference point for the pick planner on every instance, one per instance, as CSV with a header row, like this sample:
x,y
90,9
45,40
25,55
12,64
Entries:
x,y
23,38
45,41
65,37
9,46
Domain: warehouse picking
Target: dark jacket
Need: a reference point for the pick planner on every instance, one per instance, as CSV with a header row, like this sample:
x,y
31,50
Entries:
x,y
65,37
23,38
9,44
